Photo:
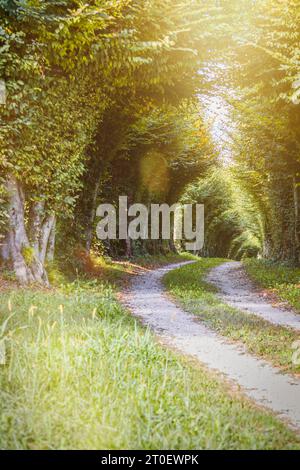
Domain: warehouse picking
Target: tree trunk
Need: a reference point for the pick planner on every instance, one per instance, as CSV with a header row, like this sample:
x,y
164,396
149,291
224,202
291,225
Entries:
x,y
51,242
128,252
36,214
26,264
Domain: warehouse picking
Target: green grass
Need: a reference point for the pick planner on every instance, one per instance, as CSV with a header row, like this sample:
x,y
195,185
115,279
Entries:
x,y
160,260
80,373
283,280
273,343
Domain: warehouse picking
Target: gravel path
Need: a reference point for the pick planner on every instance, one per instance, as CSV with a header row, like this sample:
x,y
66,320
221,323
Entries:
x,y
259,381
237,290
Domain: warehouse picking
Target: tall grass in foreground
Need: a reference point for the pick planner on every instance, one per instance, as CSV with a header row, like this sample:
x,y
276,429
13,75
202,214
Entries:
x,y
80,373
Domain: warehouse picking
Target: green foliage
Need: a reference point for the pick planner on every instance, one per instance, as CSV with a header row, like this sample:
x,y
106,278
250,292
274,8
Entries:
x,y
273,343
172,147
103,100
266,152
50,114
268,138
